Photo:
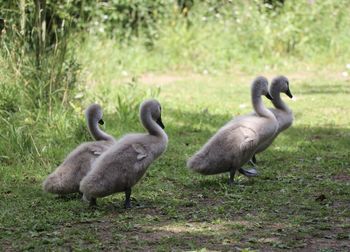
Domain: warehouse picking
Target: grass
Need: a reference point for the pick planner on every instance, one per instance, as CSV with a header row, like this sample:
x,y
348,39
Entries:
x,y
200,68
300,201
217,36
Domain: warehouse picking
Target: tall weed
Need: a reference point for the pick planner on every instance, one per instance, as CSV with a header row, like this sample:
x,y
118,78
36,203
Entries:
x,y
38,78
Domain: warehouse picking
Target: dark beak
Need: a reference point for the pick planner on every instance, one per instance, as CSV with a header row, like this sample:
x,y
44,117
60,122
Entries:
x,y
268,96
160,123
289,94
101,122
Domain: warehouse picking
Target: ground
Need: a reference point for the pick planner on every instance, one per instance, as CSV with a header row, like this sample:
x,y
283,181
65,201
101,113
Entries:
x,y
300,201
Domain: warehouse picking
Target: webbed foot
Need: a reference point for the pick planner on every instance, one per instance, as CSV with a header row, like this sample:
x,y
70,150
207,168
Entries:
x,y
92,201
232,177
249,173
127,203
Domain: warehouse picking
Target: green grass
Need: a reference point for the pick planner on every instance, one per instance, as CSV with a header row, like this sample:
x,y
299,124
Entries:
x,y
175,208
200,69
218,36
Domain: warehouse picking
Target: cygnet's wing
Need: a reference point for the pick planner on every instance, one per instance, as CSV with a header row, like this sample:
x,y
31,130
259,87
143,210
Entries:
x,y
97,149
250,139
140,150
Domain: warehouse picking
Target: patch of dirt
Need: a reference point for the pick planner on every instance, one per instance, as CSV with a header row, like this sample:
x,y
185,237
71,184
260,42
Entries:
x,y
270,239
196,227
167,78
159,79
6,245
317,244
181,241
309,72
341,177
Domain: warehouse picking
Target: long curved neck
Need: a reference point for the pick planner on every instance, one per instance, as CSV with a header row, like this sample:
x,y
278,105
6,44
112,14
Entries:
x,y
152,127
277,101
259,107
96,132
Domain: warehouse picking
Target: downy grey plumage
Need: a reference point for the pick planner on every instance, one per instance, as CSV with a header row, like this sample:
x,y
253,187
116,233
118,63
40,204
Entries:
x,y
237,141
66,178
124,164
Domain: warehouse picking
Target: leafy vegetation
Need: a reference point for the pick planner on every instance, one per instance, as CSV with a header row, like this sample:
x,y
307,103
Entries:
x,y
218,36
197,58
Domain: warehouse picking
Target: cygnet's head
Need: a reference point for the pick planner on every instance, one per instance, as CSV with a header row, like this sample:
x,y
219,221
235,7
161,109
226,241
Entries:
x,y
260,87
94,113
152,107
281,84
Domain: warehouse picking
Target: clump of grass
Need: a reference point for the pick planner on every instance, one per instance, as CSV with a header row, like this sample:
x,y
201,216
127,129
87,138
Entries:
x,y
38,78
128,101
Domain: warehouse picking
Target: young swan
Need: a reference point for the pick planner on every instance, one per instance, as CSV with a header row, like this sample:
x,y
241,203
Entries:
x,y
66,178
236,142
123,165
282,112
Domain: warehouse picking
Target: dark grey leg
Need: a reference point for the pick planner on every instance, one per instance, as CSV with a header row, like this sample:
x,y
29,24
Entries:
x,y
127,203
251,172
232,177
254,160
93,202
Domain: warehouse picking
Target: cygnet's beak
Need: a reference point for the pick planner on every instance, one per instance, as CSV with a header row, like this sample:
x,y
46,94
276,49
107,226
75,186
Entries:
x,y
289,94
101,122
268,96
160,123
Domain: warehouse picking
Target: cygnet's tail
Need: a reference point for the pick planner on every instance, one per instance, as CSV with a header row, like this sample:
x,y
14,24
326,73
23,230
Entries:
x,y
85,185
93,187
199,163
57,183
